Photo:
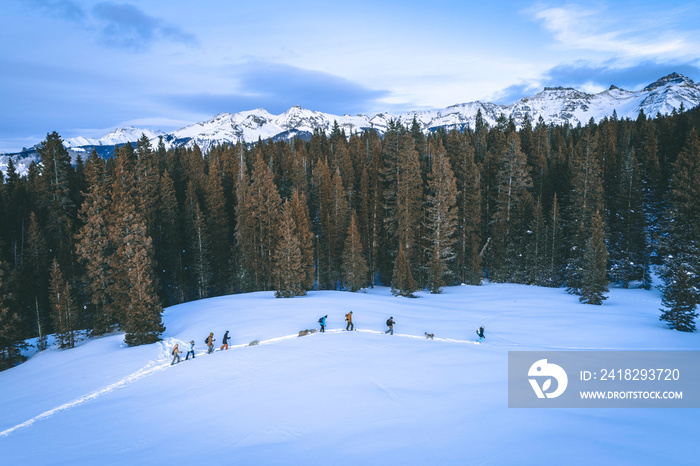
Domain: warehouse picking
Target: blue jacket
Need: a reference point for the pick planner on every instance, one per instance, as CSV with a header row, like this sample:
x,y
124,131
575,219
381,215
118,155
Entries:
x,y
323,321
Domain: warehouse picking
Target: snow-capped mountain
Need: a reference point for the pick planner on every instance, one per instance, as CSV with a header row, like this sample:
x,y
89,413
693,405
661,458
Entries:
x,y
556,105
118,136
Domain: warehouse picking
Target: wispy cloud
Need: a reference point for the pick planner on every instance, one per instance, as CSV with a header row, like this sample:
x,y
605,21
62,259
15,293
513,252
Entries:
x,y
124,25
625,34
64,9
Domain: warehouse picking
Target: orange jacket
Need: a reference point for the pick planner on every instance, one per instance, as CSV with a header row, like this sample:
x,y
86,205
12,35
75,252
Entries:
x,y
348,316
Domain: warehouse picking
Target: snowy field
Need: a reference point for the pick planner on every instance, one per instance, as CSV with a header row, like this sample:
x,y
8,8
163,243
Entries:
x,y
343,398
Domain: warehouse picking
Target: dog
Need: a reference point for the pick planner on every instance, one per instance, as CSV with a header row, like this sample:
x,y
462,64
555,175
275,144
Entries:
x,y
307,332
429,335
254,343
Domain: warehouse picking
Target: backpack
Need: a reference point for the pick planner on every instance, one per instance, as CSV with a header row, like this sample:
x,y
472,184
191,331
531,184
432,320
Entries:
x,y
320,321
206,341
388,323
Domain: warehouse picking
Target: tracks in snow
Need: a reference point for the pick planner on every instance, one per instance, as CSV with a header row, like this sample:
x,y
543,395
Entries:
x,y
163,362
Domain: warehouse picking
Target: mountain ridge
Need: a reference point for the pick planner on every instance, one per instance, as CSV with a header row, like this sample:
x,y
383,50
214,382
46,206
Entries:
x,y
556,105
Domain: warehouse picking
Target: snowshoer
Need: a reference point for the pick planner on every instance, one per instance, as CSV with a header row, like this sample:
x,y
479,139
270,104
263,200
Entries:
x,y
190,351
390,323
176,354
322,321
348,318
225,340
210,343
480,332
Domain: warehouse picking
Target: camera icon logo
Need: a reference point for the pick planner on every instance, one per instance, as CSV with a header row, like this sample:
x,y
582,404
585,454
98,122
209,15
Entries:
x,y
542,369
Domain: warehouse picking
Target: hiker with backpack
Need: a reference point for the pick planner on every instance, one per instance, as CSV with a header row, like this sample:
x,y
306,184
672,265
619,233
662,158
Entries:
x,y
348,318
190,351
390,323
226,340
176,354
480,332
210,343
322,321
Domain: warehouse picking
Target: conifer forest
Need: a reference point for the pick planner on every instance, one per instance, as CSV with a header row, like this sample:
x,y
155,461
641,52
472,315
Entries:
x,y
100,245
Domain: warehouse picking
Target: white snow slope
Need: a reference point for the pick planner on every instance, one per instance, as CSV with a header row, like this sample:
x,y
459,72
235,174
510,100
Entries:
x,y
343,398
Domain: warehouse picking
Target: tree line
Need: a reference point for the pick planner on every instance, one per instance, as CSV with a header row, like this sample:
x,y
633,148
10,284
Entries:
x,y
104,244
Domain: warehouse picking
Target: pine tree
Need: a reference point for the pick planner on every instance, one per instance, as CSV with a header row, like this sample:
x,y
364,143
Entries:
x,y
354,264
288,272
513,180
9,325
586,199
143,315
35,277
468,261
402,282
198,254
441,220
681,245
93,247
594,282
55,190
63,312
300,213
680,300
217,227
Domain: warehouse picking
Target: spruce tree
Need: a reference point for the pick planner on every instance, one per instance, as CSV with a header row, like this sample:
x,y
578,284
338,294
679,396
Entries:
x,y
10,338
300,212
402,282
441,220
143,316
594,283
288,272
93,247
680,301
354,264
681,243
198,254
63,312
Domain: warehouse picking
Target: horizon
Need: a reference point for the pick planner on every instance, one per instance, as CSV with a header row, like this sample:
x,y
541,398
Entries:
x,y
93,66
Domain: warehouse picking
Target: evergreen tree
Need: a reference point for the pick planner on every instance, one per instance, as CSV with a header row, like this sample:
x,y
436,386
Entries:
x,y
63,312
680,300
93,247
595,276
35,277
681,246
586,199
302,223
143,314
441,220
56,199
198,253
217,227
9,325
288,272
402,282
354,263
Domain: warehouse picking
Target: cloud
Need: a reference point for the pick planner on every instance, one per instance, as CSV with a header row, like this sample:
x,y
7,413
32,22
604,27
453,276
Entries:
x,y
277,87
64,9
126,26
636,34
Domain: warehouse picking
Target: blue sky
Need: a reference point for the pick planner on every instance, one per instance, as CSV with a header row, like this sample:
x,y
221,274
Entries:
x,y
83,67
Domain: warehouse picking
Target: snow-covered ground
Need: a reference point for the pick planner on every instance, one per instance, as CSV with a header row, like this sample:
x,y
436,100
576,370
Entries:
x,y
343,397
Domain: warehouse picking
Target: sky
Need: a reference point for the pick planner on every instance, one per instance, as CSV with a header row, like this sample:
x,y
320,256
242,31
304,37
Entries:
x,y
84,67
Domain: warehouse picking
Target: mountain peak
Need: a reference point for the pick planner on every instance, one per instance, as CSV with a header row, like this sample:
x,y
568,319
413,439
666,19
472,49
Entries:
x,y
673,78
